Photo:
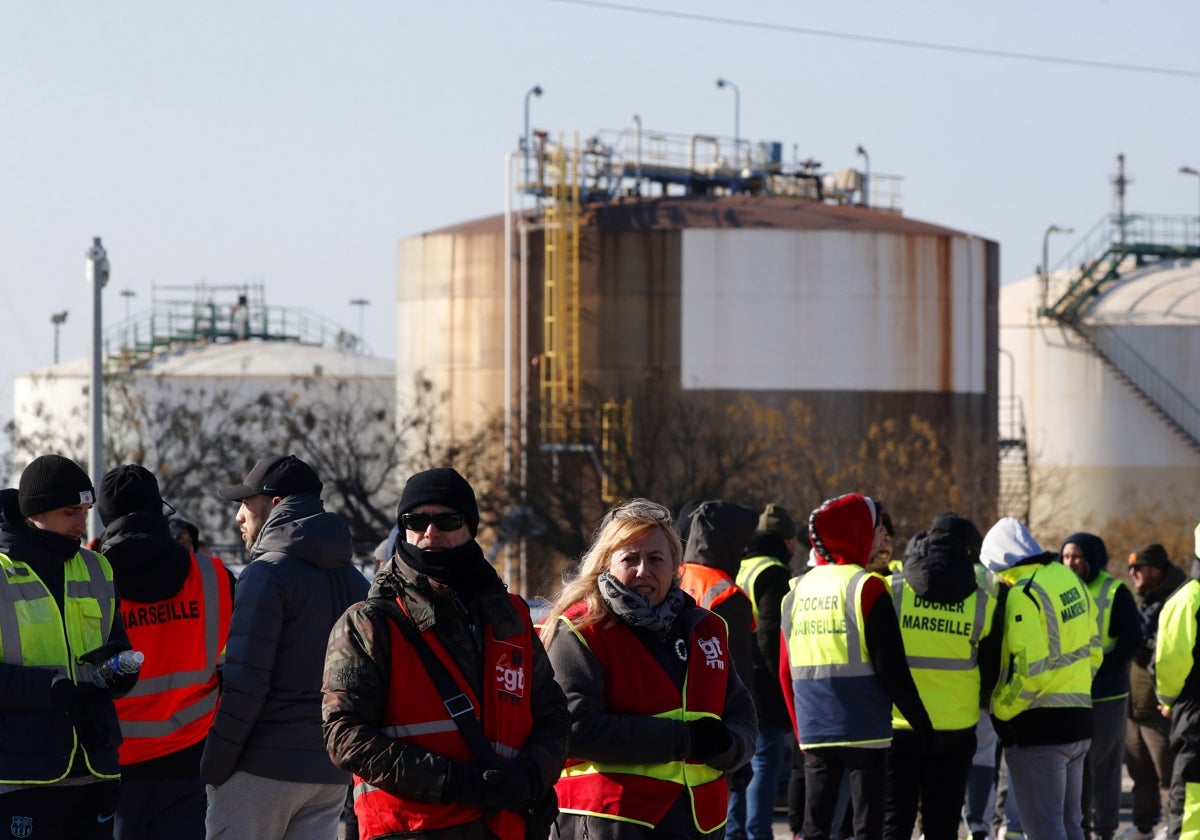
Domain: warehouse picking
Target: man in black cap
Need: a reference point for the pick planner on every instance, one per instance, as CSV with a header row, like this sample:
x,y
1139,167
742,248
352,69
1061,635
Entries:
x,y
438,694
176,609
59,770
265,762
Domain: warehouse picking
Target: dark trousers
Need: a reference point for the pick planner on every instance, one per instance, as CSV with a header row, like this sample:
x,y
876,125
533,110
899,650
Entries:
x,y
1149,760
823,768
61,812
795,791
1185,788
161,809
934,775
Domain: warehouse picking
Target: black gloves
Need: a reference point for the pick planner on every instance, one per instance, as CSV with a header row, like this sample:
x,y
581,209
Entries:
x,y
512,786
709,737
90,709
507,786
91,718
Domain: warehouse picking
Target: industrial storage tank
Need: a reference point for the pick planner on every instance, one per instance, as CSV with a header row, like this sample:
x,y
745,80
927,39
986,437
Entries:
x,y
1103,365
195,390
863,314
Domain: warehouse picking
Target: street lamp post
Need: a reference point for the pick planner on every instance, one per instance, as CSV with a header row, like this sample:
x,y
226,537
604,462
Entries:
x,y
866,186
362,304
58,318
97,273
1188,170
737,118
536,90
127,294
1046,260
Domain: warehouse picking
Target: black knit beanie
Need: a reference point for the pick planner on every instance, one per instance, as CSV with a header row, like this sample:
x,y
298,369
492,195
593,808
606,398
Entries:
x,y
52,481
127,489
440,486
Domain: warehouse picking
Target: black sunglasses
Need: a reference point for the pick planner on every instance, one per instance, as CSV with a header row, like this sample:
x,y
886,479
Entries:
x,y
444,522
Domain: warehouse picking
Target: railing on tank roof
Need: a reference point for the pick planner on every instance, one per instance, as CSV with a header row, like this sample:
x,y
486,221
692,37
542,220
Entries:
x,y
1077,275
617,161
174,325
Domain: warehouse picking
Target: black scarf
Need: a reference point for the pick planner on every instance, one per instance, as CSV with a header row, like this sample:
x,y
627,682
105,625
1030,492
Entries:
x,y
463,570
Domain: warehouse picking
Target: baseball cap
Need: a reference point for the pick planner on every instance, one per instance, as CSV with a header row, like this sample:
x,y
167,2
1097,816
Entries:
x,y
276,475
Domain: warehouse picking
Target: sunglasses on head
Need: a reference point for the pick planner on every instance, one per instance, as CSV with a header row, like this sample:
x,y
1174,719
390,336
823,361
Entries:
x,y
442,521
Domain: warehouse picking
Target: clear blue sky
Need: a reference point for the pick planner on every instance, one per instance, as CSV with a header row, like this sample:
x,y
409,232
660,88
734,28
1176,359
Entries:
x,y
295,143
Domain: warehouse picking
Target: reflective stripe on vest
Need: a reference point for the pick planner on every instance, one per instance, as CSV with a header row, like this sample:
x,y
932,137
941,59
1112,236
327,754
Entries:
x,y
420,715
839,701
175,698
1062,678
1102,589
35,632
637,685
748,573
708,586
942,646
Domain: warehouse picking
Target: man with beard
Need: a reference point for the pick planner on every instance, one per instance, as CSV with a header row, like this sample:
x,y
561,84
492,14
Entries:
x,y
265,765
439,697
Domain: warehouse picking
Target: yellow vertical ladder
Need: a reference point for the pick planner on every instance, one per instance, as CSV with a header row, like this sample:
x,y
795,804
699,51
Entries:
x,y
560,355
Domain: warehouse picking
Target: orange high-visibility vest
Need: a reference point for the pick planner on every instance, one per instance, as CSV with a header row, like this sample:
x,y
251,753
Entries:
x,y
637,685
711,586
175,699
417,714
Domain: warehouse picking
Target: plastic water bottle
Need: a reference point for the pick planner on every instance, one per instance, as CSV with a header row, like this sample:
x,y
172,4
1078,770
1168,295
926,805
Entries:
x,y
125,662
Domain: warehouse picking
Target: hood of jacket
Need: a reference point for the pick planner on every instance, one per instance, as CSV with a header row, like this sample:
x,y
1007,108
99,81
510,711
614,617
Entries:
x,y
30,545
1008,543
719,533
939,568
842,530
1095,553
301,527
148,565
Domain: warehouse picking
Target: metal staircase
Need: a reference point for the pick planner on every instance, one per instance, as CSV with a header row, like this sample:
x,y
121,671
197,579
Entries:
x,y
1014,492
1118,243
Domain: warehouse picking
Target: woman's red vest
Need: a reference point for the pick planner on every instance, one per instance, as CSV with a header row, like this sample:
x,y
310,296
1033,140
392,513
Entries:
x,y
417,714
183,638
636,684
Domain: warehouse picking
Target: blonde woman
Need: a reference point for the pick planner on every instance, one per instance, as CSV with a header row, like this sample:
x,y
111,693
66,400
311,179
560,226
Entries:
x,y
658,714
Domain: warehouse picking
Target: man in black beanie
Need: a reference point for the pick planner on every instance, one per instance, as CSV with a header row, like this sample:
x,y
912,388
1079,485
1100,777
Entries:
x,y
176,610
440,632
59,770
265,765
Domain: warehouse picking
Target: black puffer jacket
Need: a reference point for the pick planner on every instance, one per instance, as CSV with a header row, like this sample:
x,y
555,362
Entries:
x,y
36,739
287,600
150,567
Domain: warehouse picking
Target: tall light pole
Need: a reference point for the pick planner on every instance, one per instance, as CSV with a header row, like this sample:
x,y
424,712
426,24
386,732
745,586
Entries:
x,y
1046,260
128,294
536,90
97,271
1187,170
57,319
362,304
866,187
737,118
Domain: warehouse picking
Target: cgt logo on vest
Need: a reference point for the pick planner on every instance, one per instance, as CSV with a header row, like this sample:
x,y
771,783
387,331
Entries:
x,y
711,648
510,671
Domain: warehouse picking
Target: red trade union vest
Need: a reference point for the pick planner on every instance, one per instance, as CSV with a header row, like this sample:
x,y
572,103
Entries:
x,y
709,586
636,684
175,698
416,714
